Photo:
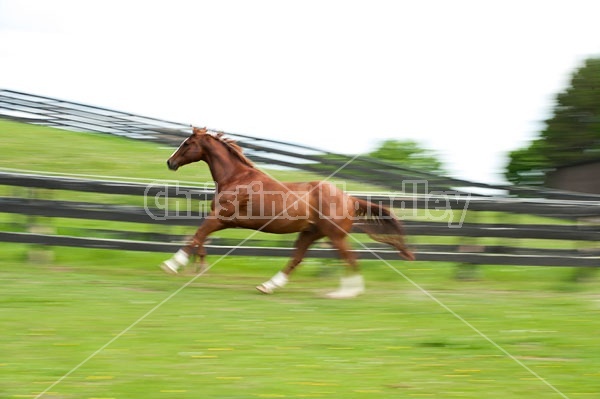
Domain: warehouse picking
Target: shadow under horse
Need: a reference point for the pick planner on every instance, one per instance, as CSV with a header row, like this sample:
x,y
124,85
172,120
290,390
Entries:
x,y
247,197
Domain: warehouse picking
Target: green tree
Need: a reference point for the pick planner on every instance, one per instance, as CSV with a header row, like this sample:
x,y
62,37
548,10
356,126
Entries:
x,y
572,134
410,154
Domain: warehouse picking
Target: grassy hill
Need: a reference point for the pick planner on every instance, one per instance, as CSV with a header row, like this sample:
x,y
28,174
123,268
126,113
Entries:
x,y
39,148
31,147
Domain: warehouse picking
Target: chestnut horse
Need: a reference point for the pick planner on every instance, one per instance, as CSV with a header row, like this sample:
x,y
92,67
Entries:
x,y
246,197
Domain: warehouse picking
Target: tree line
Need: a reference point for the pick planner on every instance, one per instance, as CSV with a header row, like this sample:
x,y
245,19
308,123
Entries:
x,y
570,135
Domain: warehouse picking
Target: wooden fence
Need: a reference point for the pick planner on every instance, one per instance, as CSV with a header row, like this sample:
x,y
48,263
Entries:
x,y
471,242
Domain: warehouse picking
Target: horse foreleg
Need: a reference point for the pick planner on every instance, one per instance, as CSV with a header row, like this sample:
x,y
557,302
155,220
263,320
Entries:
x,y
305,239
178,260
195,247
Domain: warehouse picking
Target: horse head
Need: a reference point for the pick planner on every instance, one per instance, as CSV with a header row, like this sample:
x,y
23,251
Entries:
x,y
189,151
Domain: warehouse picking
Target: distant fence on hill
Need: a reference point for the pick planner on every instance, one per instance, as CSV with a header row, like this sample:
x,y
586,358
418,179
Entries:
x,y
471,242
53,112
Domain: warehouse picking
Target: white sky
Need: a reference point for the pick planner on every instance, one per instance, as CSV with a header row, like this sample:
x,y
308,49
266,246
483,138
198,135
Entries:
x,y
469,79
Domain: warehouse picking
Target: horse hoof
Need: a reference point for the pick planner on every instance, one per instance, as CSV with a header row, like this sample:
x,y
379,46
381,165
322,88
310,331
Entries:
x,y
350,287
167,268
264,290
201,267
344,294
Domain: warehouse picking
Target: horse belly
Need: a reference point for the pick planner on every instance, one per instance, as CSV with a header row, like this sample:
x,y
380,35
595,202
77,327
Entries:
x,y
275,213
276,225
279,226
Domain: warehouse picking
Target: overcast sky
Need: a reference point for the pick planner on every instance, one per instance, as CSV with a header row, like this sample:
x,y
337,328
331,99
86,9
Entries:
x,y
469,79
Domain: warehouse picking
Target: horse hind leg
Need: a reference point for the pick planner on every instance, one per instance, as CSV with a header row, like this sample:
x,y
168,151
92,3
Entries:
x,y
279,280
352,284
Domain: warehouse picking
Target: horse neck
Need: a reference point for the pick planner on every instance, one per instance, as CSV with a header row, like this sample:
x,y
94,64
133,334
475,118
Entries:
x,y
224,166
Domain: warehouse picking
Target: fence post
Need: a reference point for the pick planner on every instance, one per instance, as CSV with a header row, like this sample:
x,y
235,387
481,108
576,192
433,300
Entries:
x,y
514,219
39,225
465,270
582,274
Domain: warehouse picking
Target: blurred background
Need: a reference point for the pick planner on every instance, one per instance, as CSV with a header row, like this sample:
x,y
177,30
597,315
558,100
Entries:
x,y
492,108
469,81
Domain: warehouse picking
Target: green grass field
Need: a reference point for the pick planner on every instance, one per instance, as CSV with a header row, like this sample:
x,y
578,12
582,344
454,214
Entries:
x,y
109,324
218,337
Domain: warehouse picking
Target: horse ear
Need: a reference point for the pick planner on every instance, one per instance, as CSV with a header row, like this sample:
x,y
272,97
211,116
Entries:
x,y
198,130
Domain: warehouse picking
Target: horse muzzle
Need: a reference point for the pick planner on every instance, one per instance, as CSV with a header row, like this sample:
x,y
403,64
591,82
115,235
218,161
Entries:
x,y
172,165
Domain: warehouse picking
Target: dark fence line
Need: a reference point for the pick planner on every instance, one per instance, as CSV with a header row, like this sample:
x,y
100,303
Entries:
x,y
103,186
467,251
284,242
540,259
570,209
134,214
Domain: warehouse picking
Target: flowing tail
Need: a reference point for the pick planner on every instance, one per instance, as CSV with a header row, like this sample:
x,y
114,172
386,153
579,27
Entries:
x,y
382,226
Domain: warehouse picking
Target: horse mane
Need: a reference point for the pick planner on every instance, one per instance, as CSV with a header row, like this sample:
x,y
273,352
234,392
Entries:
x,y
233,148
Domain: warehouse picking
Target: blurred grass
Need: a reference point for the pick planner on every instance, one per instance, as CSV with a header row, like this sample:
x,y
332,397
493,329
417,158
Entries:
x,y
220,338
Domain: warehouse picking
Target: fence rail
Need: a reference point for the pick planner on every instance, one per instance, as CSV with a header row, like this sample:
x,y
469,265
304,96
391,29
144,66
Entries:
x,y
570,209
466,249
134,214
562,260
